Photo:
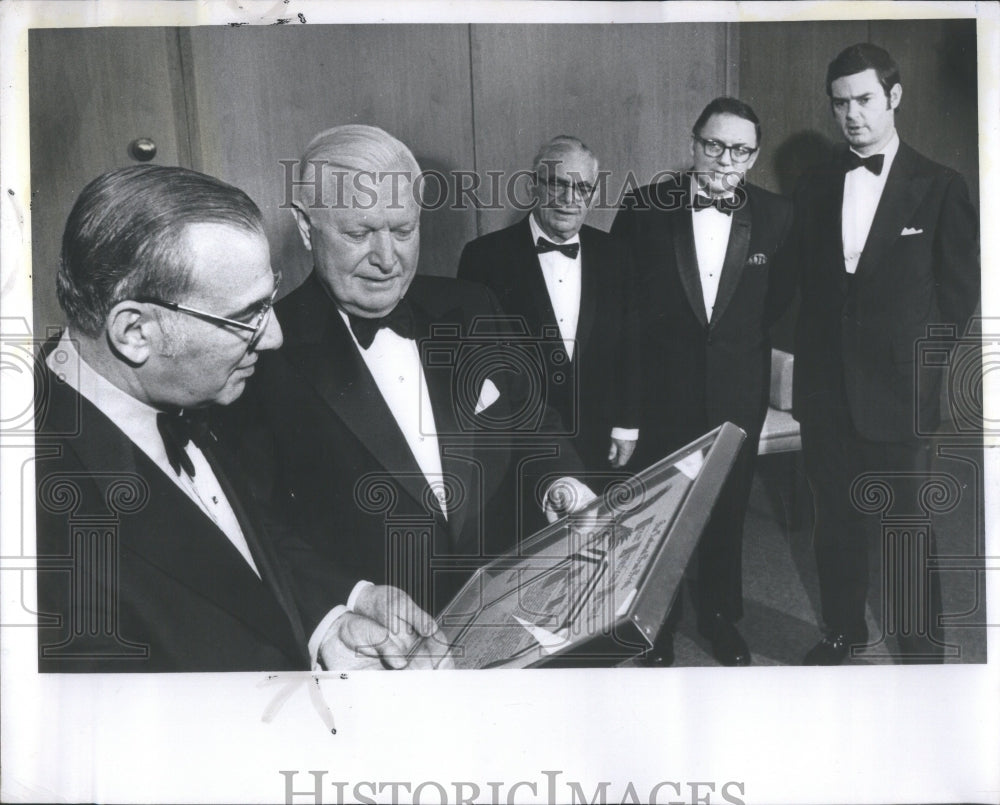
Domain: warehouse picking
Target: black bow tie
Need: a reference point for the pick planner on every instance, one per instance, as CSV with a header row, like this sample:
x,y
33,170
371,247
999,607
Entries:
x,y
724,205
873,163
176,430
571,250
399,320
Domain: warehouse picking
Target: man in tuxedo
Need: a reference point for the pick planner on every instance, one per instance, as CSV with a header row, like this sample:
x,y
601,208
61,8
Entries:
x,y
887,245
152,554
705,244
390,414
571,287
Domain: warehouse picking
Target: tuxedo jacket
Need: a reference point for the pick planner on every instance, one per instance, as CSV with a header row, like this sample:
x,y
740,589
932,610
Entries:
x,y
858,339
599,388
701,372
125,554
314,418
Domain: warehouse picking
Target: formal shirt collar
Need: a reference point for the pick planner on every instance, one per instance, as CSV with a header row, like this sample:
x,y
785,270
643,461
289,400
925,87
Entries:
x,y
536,232
134,418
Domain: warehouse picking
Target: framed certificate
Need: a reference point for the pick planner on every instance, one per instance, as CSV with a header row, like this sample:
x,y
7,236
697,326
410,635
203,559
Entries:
x,y
594,588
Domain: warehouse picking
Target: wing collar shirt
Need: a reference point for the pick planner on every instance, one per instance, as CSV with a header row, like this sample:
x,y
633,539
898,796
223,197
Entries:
x,y
138,422
862,192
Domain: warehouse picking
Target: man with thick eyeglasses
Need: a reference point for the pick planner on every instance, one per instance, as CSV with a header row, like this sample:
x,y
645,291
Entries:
x,y
571,286
153,555
887,244
705,243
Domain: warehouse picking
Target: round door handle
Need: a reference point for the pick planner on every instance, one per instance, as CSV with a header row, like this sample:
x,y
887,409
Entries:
x,y
142,149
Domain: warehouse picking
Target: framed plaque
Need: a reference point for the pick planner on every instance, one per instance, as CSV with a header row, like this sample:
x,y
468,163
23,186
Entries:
x,y
593,588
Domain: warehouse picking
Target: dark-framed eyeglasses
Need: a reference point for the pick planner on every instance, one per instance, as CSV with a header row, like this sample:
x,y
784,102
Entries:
x,y
255,326
714,149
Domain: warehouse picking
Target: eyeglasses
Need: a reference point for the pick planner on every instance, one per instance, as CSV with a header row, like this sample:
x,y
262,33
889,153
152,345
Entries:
x,y
256,327
560,187
713,148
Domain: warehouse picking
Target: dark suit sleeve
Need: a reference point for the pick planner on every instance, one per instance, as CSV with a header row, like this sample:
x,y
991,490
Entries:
x,y
956,256
629,382
316,583
470,266
623,227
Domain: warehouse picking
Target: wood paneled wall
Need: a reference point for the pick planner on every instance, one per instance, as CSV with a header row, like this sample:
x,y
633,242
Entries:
x,y
937,116
234,102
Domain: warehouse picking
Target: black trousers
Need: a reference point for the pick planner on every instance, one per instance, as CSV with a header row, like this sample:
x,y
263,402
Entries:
x,y
860,488
718,581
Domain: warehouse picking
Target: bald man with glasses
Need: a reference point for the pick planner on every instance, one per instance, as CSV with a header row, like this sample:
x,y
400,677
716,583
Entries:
x,y
153,555
704,243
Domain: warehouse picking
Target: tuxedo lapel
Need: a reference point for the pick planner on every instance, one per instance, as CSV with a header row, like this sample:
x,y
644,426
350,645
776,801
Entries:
x,y
258,541
441,390
829,216
177,537
589,289
535,289
332,365
736,257
900,198
687,260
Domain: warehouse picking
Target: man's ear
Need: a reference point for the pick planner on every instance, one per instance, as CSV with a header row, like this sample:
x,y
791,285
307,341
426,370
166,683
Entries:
x,y
130,331
302,224
895,95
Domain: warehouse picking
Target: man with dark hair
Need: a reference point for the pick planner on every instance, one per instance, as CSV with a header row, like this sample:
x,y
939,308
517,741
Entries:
x,y
378,424
886,241
704,244
152,555
571,287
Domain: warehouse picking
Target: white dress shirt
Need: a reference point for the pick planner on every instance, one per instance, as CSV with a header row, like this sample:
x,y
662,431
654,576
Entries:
x,y
564,282
711,239
862,193
138,422
394,363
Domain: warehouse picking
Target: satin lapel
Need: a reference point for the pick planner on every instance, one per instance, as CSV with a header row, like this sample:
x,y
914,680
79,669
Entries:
x,y
687,262
900,198
525,259
257,540
736,258
589,288
441,390
172,533
334,367
829,225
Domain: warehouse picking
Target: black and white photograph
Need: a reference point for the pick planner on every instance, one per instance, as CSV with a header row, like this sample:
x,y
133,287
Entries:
x,y
500,402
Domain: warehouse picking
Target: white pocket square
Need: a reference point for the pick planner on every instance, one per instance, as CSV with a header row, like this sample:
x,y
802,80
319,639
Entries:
x,y
488,395
910,231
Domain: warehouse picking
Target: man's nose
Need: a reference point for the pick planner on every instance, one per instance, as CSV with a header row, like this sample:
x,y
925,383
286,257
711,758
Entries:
x,y
381,254
725,158
272,337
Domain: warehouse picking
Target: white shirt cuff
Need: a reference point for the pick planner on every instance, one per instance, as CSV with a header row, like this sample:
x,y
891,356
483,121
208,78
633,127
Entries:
x,y
324,625
359,588
625,434
320,632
